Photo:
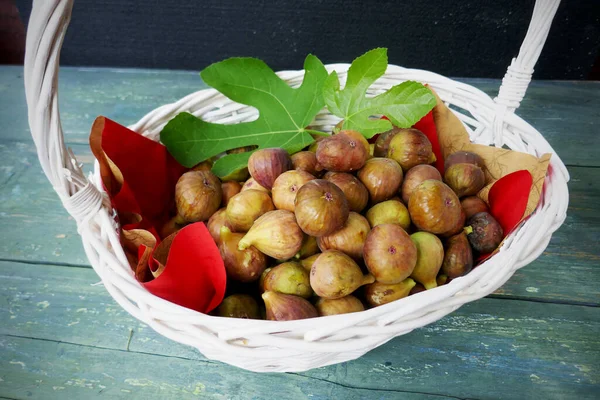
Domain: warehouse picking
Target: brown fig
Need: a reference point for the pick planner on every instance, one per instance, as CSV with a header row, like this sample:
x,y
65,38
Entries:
x,y
434,207
197,195
472,205
243,149
229,189
389,253
334,275
287,307
441,279
309,247
215,222
458,256
308,262
245,207
203,166
460,224
465,179
306,161
342,152
382,177
275,234
359,138
430,255
261,280
244,265
417,175
350,239
343,305
239,175
289,278
379,293
460,157
265,165
251,184
239,306
382,143
321,208
356,193
389,212
286,186
418,288
484,233
411,147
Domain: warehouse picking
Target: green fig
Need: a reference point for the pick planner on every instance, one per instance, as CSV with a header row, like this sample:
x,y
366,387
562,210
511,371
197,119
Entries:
x,y
430,255
308,262
441,279
334,275
379,293
289,278
458,257
343,305
389,253
309,247
287,307
410,147
244,265
245,207
239,306
275,234
389,212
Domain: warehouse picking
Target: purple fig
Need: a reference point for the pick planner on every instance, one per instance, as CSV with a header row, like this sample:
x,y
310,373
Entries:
x,y
356,193
342,152
287,307
472,205
265,165
343,305
434,207
458,257
484,233
275,234
321,208
382,177
350,239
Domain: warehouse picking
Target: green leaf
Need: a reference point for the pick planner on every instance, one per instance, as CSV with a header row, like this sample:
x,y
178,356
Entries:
x,y
403,104
284,113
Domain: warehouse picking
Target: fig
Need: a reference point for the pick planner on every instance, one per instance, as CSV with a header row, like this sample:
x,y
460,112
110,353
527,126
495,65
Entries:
x,y
472,205
244,265
358,137
261,280
430,255
197,195
441,279
411,147
229,190
382,177
275,234
343,305
215,222
389,253
287,307
252,184
289,278
321,208
350,239
203,166
484,233
309,247
418,288
334,275
306,161
461,157
417,175
458,256
245,207
460,225
239,306
382,143
265,165
465,179
342,152
286,186
308,262
379,293
356,193
243,149
238,175
171,226
434,207
389,212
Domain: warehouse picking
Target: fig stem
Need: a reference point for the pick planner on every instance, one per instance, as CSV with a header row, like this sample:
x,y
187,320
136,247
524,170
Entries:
x,y
225,233
178,219
368,279
468,230
243,245
430,285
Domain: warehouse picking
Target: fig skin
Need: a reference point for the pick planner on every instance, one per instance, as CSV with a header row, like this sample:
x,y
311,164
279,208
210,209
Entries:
x,y
460,225
287,307
265,165
306,161
484,233
379,293
359,139
434,207
239,175
382,144
430,255
356,193
261,280
472,205
344,305
410,147
417,175
321,208
251,184
289,278
171,226
458,256
389,253
239,306
389,212
309,247
350,239
308,262
286,186
441,280
334,275
465,179
275,234
215,222
382,177
245,207
342,152
203,166
460,157
197,195
418,288
229,190
241,265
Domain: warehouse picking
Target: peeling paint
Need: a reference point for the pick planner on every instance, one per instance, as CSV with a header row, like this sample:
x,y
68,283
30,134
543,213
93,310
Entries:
x,y
43,304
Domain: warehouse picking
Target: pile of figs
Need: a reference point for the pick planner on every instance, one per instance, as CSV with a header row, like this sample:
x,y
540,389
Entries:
x,y
341,226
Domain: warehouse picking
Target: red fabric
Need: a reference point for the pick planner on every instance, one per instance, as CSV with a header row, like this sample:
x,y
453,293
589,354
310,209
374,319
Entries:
x,y
508,198
427,126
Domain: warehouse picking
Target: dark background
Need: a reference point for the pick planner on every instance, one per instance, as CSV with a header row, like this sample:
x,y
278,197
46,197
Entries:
x,y
453,37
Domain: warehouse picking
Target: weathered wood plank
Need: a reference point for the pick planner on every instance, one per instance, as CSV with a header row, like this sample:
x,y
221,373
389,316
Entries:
x,y
536,350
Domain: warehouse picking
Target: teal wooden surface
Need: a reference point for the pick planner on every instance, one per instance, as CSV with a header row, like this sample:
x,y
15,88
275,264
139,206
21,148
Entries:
x,y
62,337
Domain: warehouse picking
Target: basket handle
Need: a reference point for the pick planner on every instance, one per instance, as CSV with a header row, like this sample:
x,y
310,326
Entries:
x,y
517,77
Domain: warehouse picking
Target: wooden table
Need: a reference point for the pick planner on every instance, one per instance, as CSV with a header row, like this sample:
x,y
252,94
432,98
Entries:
x,y
62,336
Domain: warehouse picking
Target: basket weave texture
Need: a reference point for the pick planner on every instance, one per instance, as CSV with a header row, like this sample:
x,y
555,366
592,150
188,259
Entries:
x,y
304,344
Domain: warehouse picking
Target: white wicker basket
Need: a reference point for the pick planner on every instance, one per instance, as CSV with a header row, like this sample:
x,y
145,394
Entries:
x,y
305,344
